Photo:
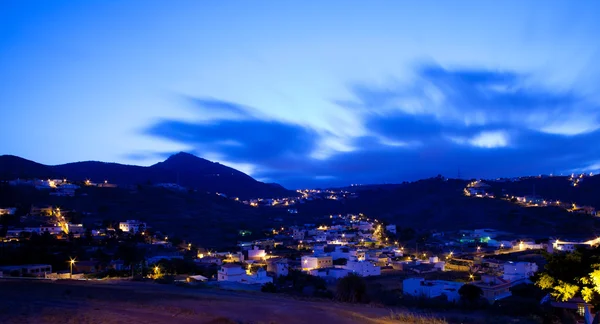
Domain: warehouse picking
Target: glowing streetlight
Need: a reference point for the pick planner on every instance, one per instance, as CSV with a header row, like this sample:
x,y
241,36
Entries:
x,y
471,277
71,263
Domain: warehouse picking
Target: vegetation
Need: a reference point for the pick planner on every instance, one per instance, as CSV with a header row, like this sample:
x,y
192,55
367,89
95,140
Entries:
x,y
351,288
269,287
408,317
470,293
568,275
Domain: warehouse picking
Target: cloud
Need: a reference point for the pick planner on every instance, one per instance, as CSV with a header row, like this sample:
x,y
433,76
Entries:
x,y
471,97
482,122
262,143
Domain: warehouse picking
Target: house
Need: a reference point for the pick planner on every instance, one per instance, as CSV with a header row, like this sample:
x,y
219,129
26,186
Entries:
x,y
76,229
320,237
235,273
26,270
340,252
46,211
256,253
514,271
279,267
8,211
132,226
577,306
477,188
310,262
298,233
527,245
419,287
494,288
569,246
231,272
196,278
330,273
362,268
53,230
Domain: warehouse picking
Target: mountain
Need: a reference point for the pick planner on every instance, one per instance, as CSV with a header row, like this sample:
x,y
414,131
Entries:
x,y
183,168
12,167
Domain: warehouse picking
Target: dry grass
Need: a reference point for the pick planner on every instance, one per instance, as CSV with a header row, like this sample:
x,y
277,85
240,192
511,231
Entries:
x,y
414,318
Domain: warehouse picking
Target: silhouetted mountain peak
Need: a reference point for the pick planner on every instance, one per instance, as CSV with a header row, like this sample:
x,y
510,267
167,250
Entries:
x,y
183,168
183,160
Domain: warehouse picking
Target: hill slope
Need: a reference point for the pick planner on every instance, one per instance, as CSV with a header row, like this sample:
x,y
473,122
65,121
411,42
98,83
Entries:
x,y
183,168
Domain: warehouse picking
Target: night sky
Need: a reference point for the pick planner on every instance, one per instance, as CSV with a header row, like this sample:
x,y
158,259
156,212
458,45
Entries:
x,y
306,93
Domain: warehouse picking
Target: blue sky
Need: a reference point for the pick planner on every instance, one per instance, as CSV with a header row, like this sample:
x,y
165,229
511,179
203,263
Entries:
x,y
306,93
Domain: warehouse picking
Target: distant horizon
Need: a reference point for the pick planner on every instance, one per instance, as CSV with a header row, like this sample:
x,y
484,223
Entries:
x,y
339,185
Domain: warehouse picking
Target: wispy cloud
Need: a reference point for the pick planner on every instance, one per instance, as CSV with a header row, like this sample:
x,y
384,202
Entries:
x,y
486,123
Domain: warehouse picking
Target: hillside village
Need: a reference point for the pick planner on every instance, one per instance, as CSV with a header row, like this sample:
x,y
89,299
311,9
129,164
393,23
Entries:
x,y
332,248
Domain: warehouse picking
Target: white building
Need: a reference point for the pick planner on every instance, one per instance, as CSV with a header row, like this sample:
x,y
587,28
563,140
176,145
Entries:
x,y
340,252
514,271
279,267
8,211
527,245
419,287
53,230
235,273
362,268
36,270
132,226
363,226
310,262
321,237
297,233
256,253
231,272
76,228
332,273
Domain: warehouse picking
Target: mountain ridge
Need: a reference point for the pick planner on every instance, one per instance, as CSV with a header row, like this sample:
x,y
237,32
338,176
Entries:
x,y
183,168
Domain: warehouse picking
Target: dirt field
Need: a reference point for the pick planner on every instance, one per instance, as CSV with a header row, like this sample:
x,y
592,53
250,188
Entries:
x,y
122,301
40,301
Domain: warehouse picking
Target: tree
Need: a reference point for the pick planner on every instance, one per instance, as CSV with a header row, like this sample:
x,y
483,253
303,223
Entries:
x,y
470,293
568,275
351,288
340,261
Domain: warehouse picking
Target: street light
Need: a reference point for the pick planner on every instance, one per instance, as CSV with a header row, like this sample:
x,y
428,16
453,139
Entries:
x,y
71,263
471,277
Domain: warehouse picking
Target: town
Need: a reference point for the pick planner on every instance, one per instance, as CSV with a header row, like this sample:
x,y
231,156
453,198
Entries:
x,y
432,265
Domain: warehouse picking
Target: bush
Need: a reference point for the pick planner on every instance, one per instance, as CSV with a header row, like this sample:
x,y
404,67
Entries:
x,y
341,261
351,288
470,293
269,287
